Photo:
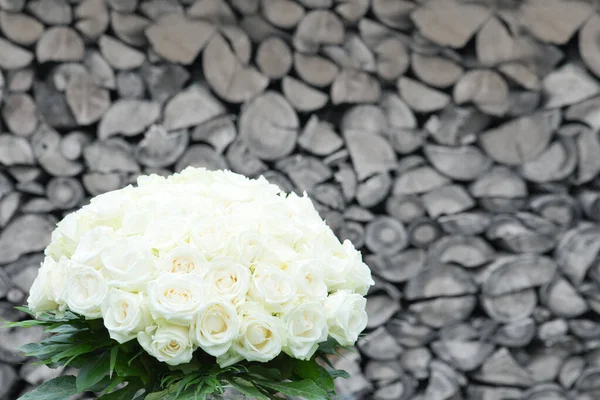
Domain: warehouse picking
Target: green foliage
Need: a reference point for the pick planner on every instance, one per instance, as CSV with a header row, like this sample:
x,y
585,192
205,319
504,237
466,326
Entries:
x,y
105,365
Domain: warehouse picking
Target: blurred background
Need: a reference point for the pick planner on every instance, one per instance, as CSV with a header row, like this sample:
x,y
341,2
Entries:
x,y
455,142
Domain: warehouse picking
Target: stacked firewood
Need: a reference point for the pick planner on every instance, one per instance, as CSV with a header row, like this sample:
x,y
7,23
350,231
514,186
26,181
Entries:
x,y
454,141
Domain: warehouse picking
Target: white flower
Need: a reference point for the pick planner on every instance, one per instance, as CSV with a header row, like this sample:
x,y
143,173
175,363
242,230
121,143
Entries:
x,y
124,314
273,288
128,262
359,278
184,259
261,335
229,358
247,247
86,290
308,276
91,245
176,297
215,327
305,328
41,298
228,279
346,316
170,344
207,235
166,232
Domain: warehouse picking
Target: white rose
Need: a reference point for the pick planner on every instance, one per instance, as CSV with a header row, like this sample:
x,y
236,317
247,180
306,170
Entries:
x,y
124,314
308,276
306,327
176,297
247,247
359,278
272,287
208,235
184,259
215,327
108,208
165,232
86,290
346,316
229,358
170,344
91,245
261,335
129,262
278,251
41,298
228,279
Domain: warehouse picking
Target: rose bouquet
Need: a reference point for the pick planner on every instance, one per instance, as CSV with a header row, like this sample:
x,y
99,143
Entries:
x,y
185,285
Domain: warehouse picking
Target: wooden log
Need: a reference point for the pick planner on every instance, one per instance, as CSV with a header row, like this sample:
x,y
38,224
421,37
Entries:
x,y
439,280
164,81
51,12
447,200
588,165
431,20
225,74
501,368
243,161
467,223
101,72
467,251
12,56
367,118
577,250
555,163
46,147
319,138
510,307
219,132
258,29
557,208
416,361
12,5
191,37
18,81
462,163
479,392
15,150
459,125
380,345
398,267
420,97
423,231
499,182
587,112
359,214
119,55
590,203
345,176
568,85
562,299
351,10
130,85
525,233
279,179
585,328
380,309
485,88
493,43
154,9
463,355
128,118
160,148
305,172
554,21
385,235
216,11
301,96
570,371
130,28
87,101
370,154
588,380
112,155
523,102
274,57
330,195
392,58
25,234
394,14
64,193
443,382
20,114
402,389
354,232
434,70
92,18
9,204
410,333
353,54
96,183
20,28
353,86
59,44
200,155
373,190
268,126
444,311
404,208
529,134
282,13
520,74
124,6
313,69
418,180
588,46
193,106
33,188
513,274
317,28
38,205
63,73
72,144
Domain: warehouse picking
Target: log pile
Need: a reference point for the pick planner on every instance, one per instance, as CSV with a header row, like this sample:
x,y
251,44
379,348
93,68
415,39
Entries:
x,y
454,141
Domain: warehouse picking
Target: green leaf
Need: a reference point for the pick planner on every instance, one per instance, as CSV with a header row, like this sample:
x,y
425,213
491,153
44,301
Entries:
x,y
306,389
60,388
307,369
339,373
92,372
72,352
166,394
247,388
114,352
125,393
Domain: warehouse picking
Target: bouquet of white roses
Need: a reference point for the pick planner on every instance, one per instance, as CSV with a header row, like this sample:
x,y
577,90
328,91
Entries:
x,y
184,285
